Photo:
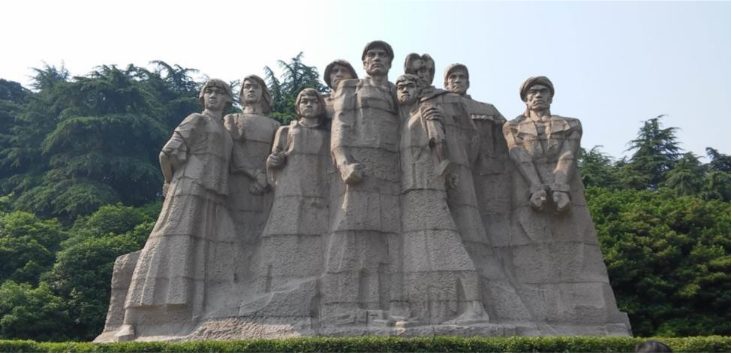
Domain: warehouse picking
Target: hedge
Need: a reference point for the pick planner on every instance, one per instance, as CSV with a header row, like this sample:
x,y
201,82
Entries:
x,y
711,344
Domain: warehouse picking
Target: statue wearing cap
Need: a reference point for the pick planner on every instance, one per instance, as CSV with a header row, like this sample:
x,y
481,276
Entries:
x,y
335,72
551,228
365,225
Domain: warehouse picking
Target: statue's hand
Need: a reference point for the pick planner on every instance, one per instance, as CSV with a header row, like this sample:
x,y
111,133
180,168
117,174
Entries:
x,y
166,186
276,160
351,173
260,185
538,200
561,199
452,181
255,189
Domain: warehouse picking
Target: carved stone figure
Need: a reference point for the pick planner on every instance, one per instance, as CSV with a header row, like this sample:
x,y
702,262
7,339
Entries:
x,y
290,254
423,66
361,266
335,72
463,144
253,133
192,246
552,242
415,211
491,181
440,280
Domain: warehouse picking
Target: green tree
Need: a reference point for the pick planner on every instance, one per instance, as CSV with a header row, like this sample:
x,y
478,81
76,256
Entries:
x,y
82,272
668,259
597,169
103,149
22,159
12,99
716,184
81,277
28,246
28,313
656,152
686,177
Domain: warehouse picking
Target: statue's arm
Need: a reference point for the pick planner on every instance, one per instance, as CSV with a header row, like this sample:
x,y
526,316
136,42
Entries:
x,y
567,162
175,152
342,132
522,158
277,158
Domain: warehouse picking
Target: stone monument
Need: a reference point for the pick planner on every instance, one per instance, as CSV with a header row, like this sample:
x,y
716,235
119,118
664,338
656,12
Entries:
x,y
384,209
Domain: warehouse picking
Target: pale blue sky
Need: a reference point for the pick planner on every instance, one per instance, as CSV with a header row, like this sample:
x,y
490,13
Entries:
x,y
614,64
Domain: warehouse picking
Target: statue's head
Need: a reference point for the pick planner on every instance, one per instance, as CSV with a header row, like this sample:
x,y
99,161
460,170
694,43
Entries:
x,y
254,92
537,92
310,104
408,87
457,79
216,95
338,70
377,57
422,66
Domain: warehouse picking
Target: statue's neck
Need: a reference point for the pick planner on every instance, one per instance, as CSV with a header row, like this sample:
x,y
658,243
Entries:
x,y
309,122
255,108
537,115
213,114
379,80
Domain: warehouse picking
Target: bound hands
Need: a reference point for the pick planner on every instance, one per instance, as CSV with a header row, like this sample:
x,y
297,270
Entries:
x,y
351,173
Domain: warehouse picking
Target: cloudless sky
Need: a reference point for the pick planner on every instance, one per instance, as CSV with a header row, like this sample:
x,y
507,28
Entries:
x,y
613,64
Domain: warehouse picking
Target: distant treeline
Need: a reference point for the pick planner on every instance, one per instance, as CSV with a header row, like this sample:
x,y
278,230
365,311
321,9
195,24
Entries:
x,y
80,185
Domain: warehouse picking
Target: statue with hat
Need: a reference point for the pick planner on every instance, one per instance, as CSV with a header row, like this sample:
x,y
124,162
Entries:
x,y
557,262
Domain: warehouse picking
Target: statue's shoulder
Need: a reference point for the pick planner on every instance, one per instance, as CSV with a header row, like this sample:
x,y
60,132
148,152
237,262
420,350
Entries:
x,y
573,123
516,121
231,117
192,120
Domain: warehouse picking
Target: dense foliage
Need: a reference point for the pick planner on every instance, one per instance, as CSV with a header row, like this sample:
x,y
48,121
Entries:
x,y
713,344
79,186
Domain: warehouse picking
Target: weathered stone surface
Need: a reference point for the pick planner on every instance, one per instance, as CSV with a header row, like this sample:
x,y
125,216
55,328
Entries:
x,y
552,246
400,210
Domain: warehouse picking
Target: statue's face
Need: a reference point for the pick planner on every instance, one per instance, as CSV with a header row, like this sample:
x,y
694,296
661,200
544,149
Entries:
x,y
338,73
251,91
309,106
407,92
458,82
214,98
538,97
421,68
377,62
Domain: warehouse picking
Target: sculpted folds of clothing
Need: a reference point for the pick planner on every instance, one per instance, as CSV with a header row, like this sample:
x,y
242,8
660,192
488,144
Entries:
x,y
545,143
365,116
419,163
464,141
439,276
291,247
193,240
206,150
361,262
253,134
556,255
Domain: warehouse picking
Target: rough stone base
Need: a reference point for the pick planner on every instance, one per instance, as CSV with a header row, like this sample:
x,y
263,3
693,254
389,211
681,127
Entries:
x,y
258,328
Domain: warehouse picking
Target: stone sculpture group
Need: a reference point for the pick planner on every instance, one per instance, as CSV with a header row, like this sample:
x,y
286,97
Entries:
x,y
384,209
